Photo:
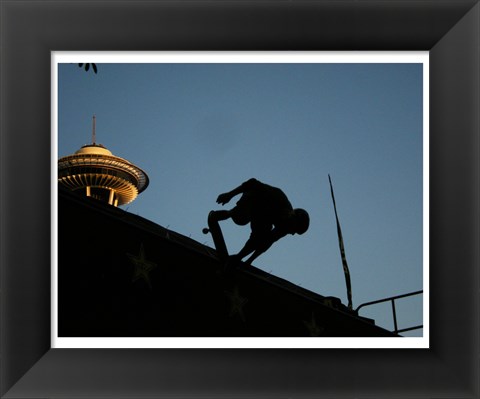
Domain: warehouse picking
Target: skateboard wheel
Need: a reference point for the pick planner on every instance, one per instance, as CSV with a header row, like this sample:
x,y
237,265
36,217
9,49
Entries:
x,y
205,231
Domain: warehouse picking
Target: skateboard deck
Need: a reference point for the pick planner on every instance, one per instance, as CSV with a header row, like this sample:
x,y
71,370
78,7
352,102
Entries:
x,y
218,241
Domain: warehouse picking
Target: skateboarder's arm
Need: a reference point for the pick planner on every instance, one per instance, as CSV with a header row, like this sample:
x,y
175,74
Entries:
x,y
246,186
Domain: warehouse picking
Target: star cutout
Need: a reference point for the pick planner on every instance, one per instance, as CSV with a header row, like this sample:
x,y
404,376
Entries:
x,y
236,303
328,302
142,266
313,328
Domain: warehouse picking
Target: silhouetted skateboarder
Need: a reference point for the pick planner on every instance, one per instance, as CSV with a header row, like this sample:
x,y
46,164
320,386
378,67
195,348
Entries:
x,y
269,212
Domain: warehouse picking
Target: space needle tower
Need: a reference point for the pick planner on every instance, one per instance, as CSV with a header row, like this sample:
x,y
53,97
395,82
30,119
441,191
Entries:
x,y
94,171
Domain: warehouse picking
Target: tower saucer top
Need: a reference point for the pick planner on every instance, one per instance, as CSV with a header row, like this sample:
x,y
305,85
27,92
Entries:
x,y
97,149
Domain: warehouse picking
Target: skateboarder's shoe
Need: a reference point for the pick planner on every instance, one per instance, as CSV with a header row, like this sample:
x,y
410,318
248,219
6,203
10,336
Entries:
x,y
234,261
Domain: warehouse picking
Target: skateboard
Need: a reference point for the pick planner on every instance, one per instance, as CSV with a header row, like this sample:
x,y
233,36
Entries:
x,y
218,241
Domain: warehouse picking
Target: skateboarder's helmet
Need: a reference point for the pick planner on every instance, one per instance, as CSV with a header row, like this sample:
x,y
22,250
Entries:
x,y
302,220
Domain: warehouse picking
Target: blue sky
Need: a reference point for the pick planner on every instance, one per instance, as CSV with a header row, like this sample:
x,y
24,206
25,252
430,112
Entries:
x,y
199,130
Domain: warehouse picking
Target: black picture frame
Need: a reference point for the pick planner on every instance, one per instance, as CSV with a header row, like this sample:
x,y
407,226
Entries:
x,y
30,30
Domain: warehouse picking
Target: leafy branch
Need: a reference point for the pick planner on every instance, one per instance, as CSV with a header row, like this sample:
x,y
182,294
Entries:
x,y
87,67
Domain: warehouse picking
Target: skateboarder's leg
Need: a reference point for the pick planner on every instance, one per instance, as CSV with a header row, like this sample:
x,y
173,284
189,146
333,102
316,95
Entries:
x,y
238,215
216,231
216,216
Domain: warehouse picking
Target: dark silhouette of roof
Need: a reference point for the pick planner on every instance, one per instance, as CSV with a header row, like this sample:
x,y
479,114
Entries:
x,y
120,274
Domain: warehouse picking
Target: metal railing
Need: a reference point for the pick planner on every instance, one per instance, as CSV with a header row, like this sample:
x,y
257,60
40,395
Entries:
x,y
394,312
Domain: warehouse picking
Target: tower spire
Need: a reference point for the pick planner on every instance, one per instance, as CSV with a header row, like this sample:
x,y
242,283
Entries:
x,y
93,131
94,171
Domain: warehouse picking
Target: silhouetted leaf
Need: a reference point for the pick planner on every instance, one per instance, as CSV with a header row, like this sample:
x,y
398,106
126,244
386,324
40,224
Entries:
x,y
87,67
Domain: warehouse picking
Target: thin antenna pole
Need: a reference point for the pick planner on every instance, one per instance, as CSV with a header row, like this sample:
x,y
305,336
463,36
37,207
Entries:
x,y
93,131
342,250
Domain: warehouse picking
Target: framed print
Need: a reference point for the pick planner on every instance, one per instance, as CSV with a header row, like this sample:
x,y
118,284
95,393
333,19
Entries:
x,y
32,364
273,115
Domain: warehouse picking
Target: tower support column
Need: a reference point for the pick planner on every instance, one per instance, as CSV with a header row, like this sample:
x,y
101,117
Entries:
x,y
110,198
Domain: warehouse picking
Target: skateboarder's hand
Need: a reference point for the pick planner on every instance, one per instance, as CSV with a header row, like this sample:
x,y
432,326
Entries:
x,y
224,198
